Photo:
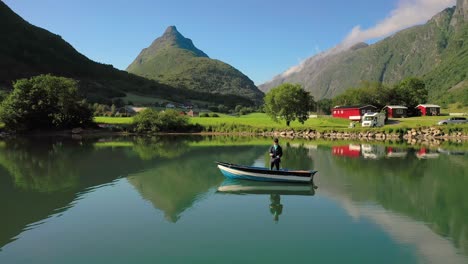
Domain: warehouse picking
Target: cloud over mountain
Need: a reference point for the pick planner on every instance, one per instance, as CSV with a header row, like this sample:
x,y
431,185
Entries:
x,y
408,13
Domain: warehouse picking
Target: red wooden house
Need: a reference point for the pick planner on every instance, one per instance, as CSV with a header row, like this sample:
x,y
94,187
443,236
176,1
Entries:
x,y
396,111
429,109
352,112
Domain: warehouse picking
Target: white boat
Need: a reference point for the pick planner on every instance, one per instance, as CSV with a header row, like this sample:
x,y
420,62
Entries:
x,y
234,171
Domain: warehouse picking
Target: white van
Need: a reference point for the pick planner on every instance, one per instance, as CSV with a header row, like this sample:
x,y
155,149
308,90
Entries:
x,y
373,120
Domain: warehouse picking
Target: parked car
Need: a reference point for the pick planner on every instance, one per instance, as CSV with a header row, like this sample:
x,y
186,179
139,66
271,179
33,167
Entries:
x,y
453,120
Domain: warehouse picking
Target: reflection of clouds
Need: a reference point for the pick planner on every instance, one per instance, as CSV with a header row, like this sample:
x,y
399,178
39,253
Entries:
x,y
431,247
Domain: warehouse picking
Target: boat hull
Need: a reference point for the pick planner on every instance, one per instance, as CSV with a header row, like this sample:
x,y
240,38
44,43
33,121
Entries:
x,y
261,174
261,187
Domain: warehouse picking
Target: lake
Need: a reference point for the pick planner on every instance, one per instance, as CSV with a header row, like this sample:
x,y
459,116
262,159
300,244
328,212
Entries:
x,y
163,200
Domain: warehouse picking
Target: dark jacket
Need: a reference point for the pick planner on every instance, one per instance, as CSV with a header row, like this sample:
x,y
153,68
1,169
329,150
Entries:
x,y
278,153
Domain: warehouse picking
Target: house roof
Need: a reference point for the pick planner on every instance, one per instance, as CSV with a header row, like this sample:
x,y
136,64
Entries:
x,y
138,109
396,107
353,106
428,105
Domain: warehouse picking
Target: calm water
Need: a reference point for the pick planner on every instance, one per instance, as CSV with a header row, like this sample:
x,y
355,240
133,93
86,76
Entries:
x,y
162,200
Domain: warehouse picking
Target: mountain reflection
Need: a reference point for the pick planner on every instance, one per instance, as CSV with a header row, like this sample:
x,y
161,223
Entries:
x,y
173,186
432,191
414,195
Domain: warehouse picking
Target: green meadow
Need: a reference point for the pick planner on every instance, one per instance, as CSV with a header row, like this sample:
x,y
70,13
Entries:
x,y
259,122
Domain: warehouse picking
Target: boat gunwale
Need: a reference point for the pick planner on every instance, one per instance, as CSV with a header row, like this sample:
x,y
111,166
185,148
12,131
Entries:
x,y
266,171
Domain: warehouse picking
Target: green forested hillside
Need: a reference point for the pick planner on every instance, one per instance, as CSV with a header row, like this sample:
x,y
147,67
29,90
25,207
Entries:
x,y
27,50
436,51
174,60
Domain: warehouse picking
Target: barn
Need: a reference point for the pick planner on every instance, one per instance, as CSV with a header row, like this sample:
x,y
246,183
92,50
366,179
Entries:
x,y
352,112
429,109
396,111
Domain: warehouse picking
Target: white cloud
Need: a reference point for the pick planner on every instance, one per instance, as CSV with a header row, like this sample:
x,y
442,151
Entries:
x,y
408,13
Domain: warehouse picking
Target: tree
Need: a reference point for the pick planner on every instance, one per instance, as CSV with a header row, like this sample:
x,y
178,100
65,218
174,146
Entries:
x,y
411,92
288,102
324,106
44,102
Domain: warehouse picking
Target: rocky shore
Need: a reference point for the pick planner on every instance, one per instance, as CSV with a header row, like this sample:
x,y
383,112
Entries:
x,y
413,135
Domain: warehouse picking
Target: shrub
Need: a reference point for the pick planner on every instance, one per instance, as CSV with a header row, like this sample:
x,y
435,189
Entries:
x,y
151,120
214,115
204,115
44,102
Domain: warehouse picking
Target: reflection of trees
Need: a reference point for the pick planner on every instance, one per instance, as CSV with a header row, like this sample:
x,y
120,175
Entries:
x,y
155,147
174,185
293,158
43,166
433,191
42,176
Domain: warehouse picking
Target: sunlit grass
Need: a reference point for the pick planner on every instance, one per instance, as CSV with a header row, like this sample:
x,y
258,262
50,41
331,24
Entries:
x,y
113,120
261,122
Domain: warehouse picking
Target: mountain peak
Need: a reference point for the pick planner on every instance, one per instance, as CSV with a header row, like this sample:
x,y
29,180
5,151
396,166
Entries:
x,y
171,29
173,38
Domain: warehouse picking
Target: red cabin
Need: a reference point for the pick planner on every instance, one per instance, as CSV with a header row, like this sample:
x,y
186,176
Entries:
x,y
429,109
352,112
396,111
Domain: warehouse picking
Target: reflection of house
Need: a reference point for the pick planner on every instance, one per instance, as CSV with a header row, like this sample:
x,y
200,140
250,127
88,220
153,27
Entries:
x,y
130,110
352,112
424,153
396,153
351,150
429,109
396,111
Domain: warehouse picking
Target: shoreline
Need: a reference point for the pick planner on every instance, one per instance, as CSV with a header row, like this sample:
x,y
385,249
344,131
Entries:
x,y
420,135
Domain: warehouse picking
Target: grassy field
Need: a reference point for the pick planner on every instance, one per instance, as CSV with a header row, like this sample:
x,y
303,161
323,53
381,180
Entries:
x,y
113,120
261,122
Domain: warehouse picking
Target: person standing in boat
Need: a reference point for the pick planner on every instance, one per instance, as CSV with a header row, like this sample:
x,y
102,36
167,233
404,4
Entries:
x,y
276,152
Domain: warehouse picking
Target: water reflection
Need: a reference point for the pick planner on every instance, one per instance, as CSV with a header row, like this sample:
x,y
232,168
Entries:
x,y
416,195
432,192
272,189
175,185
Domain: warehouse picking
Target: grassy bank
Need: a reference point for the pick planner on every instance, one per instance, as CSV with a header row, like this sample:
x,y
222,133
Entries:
x,y
259,122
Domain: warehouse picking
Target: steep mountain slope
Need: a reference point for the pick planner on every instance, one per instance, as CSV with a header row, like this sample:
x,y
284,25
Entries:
x,y
27,50
174,60
436,51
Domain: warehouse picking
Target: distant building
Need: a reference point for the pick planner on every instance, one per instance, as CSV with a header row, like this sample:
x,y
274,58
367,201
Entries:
x,y
170,105
429,109
352,112
129,110
396,111
192,113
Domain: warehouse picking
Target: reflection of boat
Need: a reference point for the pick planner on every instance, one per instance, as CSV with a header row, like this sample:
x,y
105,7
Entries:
x,y
234,171
256,187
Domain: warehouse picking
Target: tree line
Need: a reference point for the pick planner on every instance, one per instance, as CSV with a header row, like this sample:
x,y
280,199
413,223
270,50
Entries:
x,y
291,102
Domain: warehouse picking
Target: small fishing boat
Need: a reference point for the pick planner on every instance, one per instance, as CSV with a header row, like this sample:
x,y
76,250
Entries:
x,y
230,186
234,171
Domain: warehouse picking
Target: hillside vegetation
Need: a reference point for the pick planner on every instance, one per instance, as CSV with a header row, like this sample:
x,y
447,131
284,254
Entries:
x,y
27,50
437,52
174,60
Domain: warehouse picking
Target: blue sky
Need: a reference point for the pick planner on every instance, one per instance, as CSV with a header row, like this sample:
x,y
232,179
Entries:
x,y
260,38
